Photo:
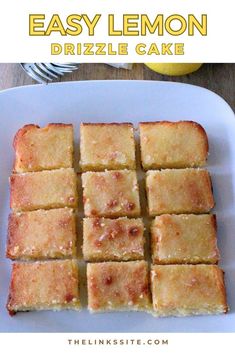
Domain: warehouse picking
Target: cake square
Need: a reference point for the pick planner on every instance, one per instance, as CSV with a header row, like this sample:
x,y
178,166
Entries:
x,y
111,194
46,189
50,147
179,191
182,290
118,286
42,234
107,146
118,239
189,239
166,144
47,285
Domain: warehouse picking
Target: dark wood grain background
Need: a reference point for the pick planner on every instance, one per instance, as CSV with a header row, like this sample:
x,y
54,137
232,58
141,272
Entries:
x,y
219,78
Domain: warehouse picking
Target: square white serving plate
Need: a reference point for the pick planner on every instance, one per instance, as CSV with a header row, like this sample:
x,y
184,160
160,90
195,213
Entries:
x,y
134,101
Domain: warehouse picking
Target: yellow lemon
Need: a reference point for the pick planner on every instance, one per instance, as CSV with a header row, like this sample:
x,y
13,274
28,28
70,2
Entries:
x,y
176,69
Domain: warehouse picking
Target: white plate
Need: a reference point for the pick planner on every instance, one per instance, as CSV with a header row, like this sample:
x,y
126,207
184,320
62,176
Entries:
x,y
134,101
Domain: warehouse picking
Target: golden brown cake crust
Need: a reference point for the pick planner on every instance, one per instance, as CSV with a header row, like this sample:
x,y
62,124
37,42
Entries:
x,y
166,144
179,191
184,239
182,290
111,194
107,146
113,239
50,147
43,190
42,234
44,286
118,286
107,124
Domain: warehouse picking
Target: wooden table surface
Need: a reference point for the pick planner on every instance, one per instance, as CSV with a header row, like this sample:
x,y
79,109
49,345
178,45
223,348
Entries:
x,y
219,78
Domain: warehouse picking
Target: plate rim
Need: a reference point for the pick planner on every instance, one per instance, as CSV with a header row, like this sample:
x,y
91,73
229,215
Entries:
x,y
96,82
